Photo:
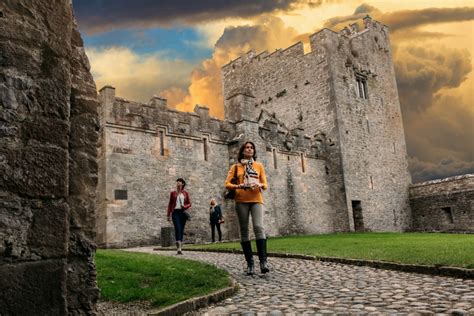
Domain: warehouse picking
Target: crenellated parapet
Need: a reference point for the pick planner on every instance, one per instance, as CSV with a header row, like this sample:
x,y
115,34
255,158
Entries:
x,y
156,116
352,41
251,58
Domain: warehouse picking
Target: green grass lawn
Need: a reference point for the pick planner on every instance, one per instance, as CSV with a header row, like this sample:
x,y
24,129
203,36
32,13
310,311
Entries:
x,y
455,250
162,281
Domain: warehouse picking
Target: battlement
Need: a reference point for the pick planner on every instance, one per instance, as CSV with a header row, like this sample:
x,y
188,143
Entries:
x,y
155,115
297,50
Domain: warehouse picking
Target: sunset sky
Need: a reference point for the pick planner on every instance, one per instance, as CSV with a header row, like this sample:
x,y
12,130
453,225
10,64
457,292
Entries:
x,y
175,48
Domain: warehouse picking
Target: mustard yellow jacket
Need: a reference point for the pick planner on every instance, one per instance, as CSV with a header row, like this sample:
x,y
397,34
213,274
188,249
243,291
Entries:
x,y
247,196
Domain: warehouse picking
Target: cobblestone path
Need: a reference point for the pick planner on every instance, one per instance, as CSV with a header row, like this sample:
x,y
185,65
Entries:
x,y
296,287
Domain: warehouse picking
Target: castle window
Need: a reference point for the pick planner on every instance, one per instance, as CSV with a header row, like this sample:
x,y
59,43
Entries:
x,y
204,142
275,165
362,86
371,182
162,143
302,163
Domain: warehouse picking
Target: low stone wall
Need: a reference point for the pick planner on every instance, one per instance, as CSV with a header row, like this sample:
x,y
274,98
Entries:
x,y
443,205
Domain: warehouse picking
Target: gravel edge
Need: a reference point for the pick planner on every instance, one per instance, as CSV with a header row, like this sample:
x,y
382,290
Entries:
x,y
196,303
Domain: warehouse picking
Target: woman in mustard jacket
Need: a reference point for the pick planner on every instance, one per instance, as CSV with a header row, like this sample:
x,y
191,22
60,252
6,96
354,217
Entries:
x,y
249,201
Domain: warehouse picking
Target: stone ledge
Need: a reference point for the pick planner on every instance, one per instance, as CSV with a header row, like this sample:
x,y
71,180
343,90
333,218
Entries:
x,y
423,269
196,303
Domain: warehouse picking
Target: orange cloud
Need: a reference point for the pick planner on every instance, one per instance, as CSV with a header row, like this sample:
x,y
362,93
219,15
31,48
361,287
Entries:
x,y
206,85
134,76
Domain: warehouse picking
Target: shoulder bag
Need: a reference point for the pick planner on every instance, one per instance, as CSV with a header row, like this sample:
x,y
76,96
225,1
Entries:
x,y
230,193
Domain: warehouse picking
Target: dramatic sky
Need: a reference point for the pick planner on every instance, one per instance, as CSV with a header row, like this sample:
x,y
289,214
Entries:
x,y
175,48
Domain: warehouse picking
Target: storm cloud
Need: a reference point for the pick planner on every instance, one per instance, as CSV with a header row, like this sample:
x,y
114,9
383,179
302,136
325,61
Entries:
x,y
438,115
96,16
403,19
422,71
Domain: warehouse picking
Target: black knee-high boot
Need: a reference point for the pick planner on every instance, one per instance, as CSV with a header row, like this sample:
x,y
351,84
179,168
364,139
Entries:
x,y
247,248
262,255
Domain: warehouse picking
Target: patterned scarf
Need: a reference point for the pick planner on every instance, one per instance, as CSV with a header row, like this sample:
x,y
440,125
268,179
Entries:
x,y
250,176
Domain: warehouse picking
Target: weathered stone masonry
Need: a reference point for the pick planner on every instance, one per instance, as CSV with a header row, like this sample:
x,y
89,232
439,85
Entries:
x,y
327,126
443,205
148,146
49,131
318,91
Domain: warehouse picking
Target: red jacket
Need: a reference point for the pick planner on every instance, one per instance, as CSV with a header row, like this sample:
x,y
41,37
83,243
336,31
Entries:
x,y
172,201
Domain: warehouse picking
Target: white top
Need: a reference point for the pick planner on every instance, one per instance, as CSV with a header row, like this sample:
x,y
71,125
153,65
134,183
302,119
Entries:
x,y
179,201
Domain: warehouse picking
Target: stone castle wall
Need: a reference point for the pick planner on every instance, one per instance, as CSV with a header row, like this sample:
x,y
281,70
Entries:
x,y
148,146
296,87
48,148
327,126
366,155
443,205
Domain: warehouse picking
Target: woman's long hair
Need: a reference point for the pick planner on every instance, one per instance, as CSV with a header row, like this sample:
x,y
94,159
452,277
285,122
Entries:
x,y
240,156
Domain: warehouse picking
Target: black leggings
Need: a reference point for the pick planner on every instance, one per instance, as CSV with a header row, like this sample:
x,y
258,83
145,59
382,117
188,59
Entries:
x,y
213,226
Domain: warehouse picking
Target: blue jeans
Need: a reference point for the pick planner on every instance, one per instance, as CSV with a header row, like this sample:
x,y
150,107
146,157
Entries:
x,y
179,221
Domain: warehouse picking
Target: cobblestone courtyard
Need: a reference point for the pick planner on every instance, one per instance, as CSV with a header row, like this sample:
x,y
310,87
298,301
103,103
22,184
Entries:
x,y
298,286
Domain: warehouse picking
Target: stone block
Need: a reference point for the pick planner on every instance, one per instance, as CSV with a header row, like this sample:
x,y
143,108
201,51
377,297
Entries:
x,y
33,288
167,236
36,171
86,133
48,233
45,131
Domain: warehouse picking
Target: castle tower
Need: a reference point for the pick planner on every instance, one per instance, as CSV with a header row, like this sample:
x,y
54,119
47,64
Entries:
x,y
345,92
371,136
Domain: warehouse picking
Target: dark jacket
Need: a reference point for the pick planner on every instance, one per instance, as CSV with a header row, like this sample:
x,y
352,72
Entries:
x,y
215,216
172,201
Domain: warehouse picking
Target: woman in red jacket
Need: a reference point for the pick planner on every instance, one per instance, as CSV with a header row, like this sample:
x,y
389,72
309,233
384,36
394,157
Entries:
x,y
249,201
178,203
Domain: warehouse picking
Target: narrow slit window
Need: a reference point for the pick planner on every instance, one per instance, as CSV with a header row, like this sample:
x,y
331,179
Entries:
x,y
302,163
393,147
368,125
275,162
162,144
204,142
371,182
362,87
